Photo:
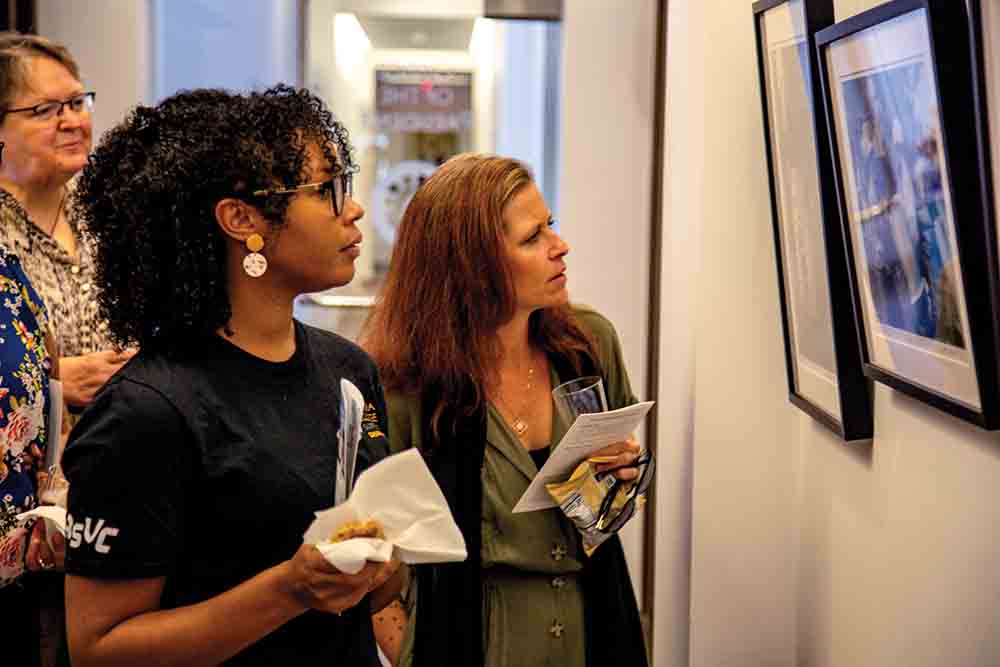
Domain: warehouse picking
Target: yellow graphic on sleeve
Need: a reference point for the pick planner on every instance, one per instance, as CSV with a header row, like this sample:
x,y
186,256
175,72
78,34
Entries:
x,y
369,422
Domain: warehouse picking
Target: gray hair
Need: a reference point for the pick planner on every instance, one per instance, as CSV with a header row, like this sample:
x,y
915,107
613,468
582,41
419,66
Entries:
x,y
16,49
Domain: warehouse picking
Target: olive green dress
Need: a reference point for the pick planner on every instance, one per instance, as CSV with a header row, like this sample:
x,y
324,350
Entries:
x,y
532,600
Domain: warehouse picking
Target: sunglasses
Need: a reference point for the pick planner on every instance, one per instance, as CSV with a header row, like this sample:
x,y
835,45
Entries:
x,y
612,516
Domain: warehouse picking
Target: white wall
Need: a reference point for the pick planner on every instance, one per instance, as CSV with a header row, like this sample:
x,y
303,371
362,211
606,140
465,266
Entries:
x,y
112,48
683,175
231,44
520,74
606,177
804,551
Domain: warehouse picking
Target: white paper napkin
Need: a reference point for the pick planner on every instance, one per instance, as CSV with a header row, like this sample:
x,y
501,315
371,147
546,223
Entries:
x,y
400,493
54,517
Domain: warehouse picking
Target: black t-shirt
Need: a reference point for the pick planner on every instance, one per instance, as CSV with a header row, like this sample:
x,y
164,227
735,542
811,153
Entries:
x,y
207,470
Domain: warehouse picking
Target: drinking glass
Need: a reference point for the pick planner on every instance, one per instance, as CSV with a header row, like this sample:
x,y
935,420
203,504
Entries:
x,y
579,396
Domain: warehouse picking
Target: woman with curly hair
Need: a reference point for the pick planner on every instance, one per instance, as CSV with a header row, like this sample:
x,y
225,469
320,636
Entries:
x,y
469,356
197,469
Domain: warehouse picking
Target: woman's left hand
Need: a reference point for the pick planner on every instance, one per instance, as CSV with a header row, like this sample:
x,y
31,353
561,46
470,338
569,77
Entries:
x,y
40,556
616,455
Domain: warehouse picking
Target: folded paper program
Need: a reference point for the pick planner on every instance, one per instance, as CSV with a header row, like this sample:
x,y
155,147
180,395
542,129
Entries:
x,y
402,496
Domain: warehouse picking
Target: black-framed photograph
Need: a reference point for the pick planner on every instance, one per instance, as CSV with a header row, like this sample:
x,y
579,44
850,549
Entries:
x,y
901,91
822,355
985,15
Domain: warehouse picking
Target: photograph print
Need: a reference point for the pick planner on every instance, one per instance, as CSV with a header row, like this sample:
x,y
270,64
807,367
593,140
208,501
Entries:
x,y
906,226
907,140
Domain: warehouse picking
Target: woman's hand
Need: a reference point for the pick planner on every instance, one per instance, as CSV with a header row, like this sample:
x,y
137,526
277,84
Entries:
x,y
316,584
616,455
83,375
40,556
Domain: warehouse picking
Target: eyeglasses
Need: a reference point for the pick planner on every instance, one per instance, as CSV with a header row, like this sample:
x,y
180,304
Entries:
x,y
336,190
611,518
84,102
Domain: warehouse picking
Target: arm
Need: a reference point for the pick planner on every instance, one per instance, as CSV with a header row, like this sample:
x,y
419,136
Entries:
x,y
390,589
118,622
389,626
390,618
83,375
40,556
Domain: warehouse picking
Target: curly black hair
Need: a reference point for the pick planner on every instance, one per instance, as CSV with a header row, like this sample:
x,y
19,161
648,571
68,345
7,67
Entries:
x,y
148,194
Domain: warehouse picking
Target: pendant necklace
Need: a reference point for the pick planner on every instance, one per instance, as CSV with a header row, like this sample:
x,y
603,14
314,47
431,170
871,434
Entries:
x,y
517,423
55,222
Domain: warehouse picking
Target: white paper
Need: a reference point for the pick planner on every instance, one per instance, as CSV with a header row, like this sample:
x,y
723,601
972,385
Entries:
x,y
352,406
400,493
54,441
589,433
54,517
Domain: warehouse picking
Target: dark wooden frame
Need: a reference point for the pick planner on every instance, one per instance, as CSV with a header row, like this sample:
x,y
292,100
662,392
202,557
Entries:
x,y
856,412
958,73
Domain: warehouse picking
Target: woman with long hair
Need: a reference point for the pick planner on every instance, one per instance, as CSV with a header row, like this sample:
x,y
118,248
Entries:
x,y
471,332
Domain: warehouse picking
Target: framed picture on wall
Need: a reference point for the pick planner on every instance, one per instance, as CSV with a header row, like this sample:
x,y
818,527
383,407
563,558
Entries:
x,y
822,353
901,89
985,16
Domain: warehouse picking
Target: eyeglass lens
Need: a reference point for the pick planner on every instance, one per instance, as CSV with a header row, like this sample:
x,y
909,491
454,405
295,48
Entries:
x,y
78,104
343,187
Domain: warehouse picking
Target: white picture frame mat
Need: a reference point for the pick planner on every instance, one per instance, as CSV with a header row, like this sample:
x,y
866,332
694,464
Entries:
x,y
784,27
819,385
780,24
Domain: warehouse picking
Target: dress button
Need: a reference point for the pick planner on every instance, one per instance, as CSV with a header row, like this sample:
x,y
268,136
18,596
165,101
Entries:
x,y
85,287
558,582
557,629
558,552
74,269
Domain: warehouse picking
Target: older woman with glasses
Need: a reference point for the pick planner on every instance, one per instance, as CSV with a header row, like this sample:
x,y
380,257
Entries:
x,y
45,130
45,126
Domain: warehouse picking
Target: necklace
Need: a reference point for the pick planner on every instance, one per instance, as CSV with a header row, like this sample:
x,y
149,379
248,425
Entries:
x,y
55,221
517,421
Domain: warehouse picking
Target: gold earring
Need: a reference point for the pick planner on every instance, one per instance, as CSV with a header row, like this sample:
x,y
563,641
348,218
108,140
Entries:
x,y
255,264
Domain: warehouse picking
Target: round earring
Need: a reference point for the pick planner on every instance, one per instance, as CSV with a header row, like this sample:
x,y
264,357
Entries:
x,y
255,264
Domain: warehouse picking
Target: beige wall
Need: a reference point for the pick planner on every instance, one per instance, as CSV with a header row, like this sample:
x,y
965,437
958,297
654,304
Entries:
x,y
112,47
605,177
804,551
683,173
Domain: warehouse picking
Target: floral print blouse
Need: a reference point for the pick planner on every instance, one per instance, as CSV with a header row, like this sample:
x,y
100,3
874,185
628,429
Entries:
x,y
24,393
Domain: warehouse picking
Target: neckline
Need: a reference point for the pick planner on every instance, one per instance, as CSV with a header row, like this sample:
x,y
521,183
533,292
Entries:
x,y
31,230
294,364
